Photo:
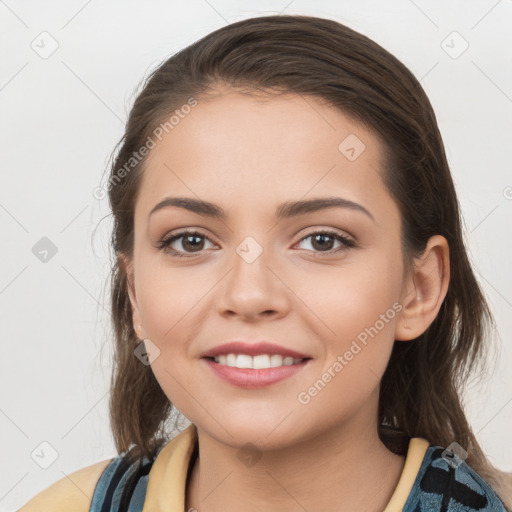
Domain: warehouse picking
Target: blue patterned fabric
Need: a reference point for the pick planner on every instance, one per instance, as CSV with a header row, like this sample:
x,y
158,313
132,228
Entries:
x,y
440,486
122,486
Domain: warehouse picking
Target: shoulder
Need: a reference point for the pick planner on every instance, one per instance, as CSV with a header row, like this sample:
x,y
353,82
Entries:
x,y
446,483
73,492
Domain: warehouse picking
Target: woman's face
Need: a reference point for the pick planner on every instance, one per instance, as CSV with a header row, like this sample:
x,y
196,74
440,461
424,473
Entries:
x,y
253,276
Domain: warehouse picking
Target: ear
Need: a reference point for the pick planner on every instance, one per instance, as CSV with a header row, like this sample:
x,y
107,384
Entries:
x,y
126,266
424,290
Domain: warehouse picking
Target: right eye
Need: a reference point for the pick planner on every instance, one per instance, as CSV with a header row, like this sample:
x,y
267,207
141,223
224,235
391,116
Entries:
x,y
191,241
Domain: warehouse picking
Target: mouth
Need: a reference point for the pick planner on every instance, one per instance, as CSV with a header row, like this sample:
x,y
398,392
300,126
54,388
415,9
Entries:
x,y
259,362
250,372
254,365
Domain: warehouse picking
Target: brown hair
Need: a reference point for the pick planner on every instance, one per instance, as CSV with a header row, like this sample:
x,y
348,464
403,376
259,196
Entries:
x,y
321,58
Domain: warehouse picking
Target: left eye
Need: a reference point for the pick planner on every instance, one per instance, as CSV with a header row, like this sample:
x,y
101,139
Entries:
x,y
191,241
320,239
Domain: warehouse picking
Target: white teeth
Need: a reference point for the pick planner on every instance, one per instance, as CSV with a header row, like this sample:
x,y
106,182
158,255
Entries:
x,y
261,361
258,362
276,360
243,361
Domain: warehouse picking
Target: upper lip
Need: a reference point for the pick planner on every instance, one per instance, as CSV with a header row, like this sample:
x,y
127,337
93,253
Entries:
x,y
252,349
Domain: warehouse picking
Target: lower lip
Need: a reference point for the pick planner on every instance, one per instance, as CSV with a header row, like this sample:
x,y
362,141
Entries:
x,y
250,378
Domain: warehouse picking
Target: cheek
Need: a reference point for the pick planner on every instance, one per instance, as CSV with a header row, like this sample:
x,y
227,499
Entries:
x,y
360,308
346,299
169,298
355,357
170,304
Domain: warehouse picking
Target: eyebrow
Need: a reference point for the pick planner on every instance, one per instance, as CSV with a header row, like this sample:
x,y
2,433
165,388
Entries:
x,y
285,210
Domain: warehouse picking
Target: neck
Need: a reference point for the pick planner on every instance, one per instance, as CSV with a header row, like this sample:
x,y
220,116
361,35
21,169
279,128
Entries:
x,y
344,468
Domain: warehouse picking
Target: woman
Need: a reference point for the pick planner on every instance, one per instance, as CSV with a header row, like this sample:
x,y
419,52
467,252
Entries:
x,y
288,246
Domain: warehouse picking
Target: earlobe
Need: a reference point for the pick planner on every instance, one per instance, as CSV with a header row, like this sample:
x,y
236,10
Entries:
x,y
425,290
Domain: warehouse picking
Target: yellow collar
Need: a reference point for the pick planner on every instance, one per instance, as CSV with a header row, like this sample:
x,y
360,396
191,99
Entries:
x,y
168,475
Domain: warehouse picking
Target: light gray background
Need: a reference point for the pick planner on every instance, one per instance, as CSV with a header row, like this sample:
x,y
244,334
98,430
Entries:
x,y
60,119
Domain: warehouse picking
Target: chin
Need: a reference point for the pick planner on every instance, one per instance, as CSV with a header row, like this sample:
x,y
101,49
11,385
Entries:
x,y
264,435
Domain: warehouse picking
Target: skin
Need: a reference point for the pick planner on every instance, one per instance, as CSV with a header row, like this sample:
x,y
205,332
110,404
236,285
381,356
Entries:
x,y
249,154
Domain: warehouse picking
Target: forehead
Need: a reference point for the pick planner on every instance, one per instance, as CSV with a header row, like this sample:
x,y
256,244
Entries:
x,y
256,150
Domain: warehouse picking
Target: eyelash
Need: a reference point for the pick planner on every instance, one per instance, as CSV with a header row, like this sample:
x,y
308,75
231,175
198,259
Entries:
x,y
166,242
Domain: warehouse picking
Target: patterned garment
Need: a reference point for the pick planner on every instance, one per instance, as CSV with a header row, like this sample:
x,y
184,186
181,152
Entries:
x,y
122,486
440,486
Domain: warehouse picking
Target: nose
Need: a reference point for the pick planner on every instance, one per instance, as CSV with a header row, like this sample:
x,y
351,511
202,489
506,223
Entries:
x,y
253,288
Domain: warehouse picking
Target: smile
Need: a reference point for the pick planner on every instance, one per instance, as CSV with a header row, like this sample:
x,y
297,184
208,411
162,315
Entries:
x,y
258,362
242,370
